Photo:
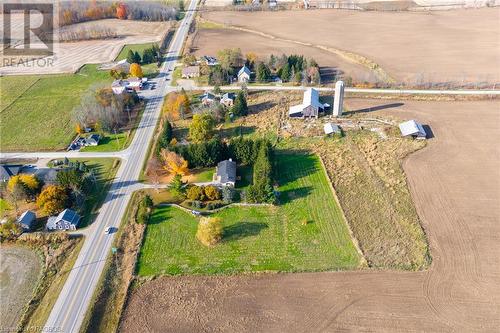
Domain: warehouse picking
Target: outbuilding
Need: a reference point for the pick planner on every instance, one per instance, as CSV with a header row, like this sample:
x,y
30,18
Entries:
x,y
310,107
27,220
412,128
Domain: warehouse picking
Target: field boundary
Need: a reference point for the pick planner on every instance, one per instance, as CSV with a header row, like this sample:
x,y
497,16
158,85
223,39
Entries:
x,y
363,261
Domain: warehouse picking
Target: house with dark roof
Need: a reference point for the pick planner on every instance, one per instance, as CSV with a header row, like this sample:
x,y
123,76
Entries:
x,y
225,173
244,74
7,171
66,220
228,99
207,98
27,220
92,140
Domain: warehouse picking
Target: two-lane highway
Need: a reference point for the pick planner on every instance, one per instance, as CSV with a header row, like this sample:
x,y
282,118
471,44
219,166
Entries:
x,y
70,308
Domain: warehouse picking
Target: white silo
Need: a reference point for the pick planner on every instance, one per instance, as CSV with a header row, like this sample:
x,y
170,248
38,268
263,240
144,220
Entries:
x,y
339,99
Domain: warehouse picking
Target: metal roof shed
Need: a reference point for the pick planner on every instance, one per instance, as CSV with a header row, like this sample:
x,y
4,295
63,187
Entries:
x,y
412,128
330,128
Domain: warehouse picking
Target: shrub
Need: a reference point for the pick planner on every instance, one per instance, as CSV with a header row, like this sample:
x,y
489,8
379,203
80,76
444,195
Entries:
x,y
209,230
144,210
212,193
228,194
214,205
195,193
136,70
10,230
197,204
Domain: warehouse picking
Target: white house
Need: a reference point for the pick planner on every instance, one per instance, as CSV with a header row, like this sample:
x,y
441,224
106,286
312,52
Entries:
x,y
66,220
412,128
244,74
310,107
228,99
133,83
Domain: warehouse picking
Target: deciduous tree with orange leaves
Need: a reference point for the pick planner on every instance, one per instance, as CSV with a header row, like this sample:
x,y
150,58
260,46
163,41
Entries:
x,y
174,164
121,11
52,200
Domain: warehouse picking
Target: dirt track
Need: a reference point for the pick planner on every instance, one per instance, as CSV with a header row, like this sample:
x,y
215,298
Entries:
x,y
459,45
455,182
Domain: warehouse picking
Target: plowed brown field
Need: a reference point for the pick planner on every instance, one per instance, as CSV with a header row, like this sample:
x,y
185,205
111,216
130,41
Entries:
x,y
455,183
459,45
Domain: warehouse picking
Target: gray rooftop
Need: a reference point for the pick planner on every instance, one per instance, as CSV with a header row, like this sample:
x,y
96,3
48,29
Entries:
x,y
227,171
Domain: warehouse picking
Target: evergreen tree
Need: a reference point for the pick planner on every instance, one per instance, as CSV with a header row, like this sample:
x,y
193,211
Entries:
x,y
263,73
285,72
137,58
130,57
240,107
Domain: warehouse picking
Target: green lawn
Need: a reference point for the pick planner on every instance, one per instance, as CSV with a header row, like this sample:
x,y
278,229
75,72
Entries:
x,y
105,170
149,70
36,110
258,238
202,175
4,205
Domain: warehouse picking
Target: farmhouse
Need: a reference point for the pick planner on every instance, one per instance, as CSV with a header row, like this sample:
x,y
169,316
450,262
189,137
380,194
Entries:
x,y
207,98
7,171
133,83
210,61
330,128
244,74
66,220
412,128
310,107
225,173
228,99
190,72
92,140
26,220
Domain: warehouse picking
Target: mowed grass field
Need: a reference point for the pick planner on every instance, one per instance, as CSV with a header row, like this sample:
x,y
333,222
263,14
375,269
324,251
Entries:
x,y
36,110
265,238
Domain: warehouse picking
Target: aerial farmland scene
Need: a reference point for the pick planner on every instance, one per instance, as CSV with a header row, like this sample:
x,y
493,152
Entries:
x,y
249,166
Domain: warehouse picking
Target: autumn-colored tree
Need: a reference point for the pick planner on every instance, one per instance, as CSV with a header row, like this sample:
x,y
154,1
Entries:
x,y
173,142
29,184
251,59
154,170
174,164
169,109
121,11
212,193
10,230
79,129
201,128
182,103
196,193
209,231
52,200
136,70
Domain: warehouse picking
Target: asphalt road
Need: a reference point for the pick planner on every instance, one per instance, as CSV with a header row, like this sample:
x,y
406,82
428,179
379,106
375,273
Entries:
x,y
71,306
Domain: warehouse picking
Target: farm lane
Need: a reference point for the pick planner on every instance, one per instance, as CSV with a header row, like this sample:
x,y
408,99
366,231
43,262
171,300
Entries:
x,y
71,306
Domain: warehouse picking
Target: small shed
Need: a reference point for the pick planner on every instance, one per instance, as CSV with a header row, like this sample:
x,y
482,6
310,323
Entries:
x,y
225,173
27,220
330,128
412,128
190,72
244,74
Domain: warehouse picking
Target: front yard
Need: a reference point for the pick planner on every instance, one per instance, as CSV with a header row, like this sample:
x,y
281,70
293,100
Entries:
x,y
305,232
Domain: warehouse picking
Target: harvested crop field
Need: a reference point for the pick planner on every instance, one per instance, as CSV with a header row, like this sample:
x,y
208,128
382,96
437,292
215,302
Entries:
x,y
457,202
209,41
70,56
20,270
460,46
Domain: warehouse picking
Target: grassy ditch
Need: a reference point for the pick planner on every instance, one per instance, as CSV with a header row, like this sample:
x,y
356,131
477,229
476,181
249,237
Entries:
x,y
109,299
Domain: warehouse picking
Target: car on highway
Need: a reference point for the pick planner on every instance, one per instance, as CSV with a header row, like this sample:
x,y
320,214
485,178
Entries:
x,y
109,230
